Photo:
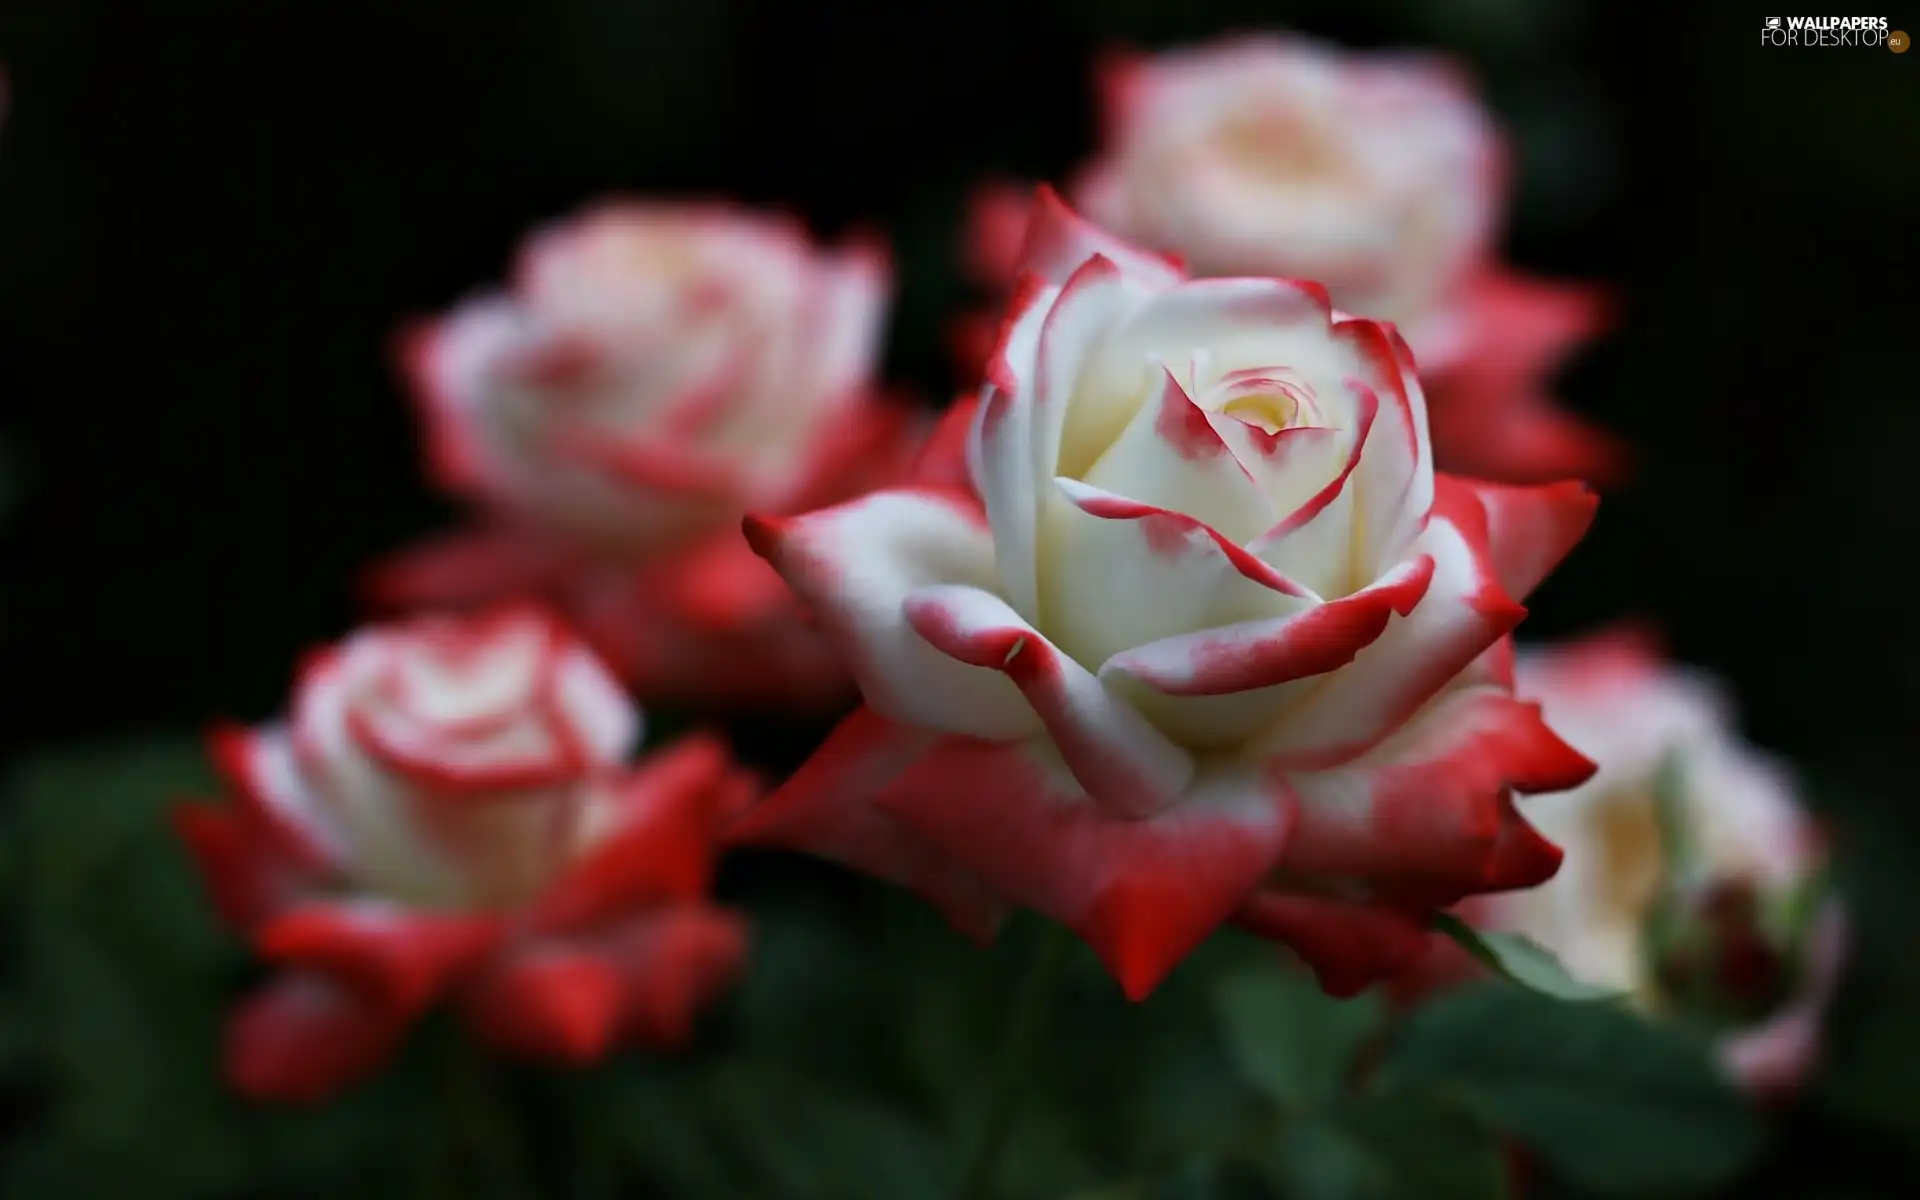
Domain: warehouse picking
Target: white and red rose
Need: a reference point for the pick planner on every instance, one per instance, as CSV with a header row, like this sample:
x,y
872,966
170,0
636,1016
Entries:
x,y
1380,176
1745,941
1194,632
448,814
655,371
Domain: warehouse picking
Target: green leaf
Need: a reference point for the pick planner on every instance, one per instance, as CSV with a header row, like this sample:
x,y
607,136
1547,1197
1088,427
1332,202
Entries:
x,y
1612,1102
1288,1038
1402,1145
1521,960
808,1137
662,1135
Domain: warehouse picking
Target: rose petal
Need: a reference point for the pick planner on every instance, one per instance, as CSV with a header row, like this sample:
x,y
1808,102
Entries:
x,y
247,879
660,839
1427,814
1219,686
1173,575
672,964
827,807
1463,613
1236,322
550,1002
404,957
1143,893
1118,757
1349,945
1530,529
1396,474
304,1037
1058,241
265,778
1171,456
855,565
1314,543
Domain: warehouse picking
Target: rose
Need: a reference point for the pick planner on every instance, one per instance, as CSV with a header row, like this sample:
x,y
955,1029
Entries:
x,y
1718,928
656,371
447,814
1380,176
1211,638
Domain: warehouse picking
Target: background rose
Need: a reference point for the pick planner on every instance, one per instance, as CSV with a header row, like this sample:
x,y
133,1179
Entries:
x,y
447,813
1380,176
1212,637
655,371
1751,846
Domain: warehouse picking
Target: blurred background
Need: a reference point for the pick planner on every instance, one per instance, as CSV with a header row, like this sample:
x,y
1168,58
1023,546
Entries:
x,y
213,215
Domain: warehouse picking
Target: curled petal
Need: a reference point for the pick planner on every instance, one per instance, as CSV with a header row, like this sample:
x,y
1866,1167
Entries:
x,y
1397,475
401,957
855,565
828,807
1059,240
1223,684
1350,945
1172,456
1464,612
1428,814
304,1037
1118,757
1143,893
1530,529
1179,575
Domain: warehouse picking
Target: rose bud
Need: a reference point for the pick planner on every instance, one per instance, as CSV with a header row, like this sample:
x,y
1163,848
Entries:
x,y
447,814
655,371
1380,176
1185,627
1694,879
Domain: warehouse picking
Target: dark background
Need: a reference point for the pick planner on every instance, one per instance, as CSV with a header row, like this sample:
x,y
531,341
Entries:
x,y
213,214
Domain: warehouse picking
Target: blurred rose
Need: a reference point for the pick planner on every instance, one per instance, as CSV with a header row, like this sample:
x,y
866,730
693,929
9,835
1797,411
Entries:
x,y
1381,177
1198,632
447,814
1737,935
656,371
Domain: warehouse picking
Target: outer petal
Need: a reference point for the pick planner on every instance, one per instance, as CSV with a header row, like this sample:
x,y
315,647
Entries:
x,y
1464,612
1492,418
1220,685
1142,892
672,965
856,564
942,461
273,798
460,570
1058,241
399,957
1428,813
245,878
306,1036
828,808
549,1002
1530,529
1349,945
1118,757
1774,1059
661,839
